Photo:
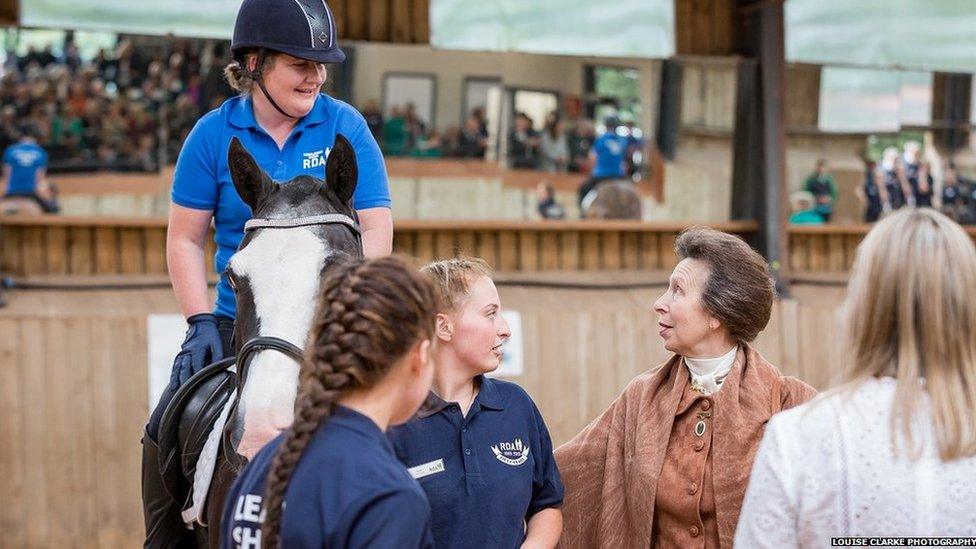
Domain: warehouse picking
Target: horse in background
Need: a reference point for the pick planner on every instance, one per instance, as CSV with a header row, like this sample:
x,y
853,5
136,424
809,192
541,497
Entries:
x,y
612,199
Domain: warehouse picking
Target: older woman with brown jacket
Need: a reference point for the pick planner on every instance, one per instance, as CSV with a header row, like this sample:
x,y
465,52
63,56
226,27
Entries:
x,y
667,464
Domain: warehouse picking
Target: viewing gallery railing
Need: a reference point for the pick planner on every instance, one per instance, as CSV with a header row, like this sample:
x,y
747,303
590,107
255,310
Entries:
x,y
53,245
828,249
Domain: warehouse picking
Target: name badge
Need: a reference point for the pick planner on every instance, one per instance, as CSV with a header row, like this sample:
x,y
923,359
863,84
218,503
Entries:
x,y
427,469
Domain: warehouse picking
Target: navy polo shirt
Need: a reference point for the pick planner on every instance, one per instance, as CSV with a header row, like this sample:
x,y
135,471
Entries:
x,y
24,159
202,178
485,474
348,491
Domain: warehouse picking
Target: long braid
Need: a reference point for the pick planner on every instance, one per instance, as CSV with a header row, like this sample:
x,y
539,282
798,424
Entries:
x,y
370,314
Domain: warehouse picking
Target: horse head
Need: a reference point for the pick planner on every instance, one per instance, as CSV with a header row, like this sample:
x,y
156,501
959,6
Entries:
x,y
297,231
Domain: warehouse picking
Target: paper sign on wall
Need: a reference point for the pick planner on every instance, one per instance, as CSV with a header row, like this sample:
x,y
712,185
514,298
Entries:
x,y
512,365
165,336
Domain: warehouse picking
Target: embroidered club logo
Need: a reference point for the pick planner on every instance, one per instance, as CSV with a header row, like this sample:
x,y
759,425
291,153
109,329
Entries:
x,y
315,159
511,453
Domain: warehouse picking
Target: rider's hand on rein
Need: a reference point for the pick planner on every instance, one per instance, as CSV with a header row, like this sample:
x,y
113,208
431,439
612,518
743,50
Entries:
x,y
201,347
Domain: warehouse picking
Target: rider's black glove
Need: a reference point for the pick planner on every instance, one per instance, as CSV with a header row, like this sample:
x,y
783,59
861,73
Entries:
x,y
201,347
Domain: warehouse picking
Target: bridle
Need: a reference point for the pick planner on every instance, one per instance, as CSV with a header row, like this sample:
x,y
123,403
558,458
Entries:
x,y
272,343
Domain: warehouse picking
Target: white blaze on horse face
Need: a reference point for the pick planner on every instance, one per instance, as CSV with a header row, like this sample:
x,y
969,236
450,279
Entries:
x,y
283,268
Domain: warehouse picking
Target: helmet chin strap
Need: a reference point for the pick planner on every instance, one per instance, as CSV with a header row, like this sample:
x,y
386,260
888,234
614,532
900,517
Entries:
x,y
264,90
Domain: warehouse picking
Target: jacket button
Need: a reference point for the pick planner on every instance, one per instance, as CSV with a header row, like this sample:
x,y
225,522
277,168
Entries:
x,y
699,445
694,531
467,451
693,488
706,404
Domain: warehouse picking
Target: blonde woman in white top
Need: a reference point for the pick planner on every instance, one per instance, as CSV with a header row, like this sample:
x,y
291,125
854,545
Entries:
x,y
891,451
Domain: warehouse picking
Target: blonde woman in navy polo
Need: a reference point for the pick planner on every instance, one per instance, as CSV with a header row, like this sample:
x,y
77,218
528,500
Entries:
x,y
479,446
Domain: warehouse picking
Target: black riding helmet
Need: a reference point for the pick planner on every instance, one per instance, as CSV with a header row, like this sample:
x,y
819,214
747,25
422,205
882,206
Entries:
x,y
304,29
301,28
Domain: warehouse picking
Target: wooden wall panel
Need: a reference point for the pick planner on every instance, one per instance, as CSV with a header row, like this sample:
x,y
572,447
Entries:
x,y
704,27
397,21
107,246
378,29
73,393
421,21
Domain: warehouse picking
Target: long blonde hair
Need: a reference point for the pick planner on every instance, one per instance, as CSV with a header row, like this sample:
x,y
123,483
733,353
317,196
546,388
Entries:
x,y
911,313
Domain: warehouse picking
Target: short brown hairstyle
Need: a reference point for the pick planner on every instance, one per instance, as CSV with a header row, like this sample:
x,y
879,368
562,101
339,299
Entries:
x,y
739,291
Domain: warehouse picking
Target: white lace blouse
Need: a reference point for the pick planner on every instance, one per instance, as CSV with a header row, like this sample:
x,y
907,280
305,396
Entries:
x,y
827,469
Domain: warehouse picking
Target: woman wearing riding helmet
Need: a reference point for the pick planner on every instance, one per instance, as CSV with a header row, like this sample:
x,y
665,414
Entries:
x,y
280,48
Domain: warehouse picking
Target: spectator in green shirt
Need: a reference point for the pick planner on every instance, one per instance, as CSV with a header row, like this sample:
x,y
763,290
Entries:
x,y
395,133
804,213
824,190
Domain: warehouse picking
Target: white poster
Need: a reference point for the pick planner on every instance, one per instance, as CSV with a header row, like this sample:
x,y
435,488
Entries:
x,y
165,336
511,365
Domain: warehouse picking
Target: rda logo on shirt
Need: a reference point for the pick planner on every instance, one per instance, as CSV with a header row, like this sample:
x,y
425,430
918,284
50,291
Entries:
x,y
511,453
315,159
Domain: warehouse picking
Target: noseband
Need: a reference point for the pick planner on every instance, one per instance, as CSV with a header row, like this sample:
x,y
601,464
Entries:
x,y
272,343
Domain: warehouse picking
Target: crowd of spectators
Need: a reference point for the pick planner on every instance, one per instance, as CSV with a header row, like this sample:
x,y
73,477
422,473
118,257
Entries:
x,y
128,108
557,145
903,178
404,133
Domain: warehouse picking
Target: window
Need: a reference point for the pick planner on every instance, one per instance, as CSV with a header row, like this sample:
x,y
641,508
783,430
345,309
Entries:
x,y
401,89
612,90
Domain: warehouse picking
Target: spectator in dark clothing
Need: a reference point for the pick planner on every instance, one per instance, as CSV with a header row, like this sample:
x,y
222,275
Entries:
x,y
918,174
822,186
416,128
957,196
523,143
895,183
872,193
479,114
548,207
374,119
472,142
580,140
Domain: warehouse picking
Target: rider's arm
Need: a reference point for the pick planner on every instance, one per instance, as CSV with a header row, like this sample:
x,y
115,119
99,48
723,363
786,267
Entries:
x,y
185,240
377,227
372,196
5,180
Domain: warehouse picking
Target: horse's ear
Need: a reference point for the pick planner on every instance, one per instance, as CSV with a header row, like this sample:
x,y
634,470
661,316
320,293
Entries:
x,y
249,179
341,171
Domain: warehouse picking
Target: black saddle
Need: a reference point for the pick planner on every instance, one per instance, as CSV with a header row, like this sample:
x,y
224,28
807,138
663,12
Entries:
x,y
170,462
187,423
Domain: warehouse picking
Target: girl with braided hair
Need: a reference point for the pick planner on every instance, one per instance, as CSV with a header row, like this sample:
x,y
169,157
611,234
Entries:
x,y
478,445
332,479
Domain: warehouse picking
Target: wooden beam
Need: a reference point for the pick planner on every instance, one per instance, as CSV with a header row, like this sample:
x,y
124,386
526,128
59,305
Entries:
x,y
759,163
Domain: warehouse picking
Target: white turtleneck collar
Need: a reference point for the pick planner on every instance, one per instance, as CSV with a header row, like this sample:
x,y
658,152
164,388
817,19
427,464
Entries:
x,y
707,374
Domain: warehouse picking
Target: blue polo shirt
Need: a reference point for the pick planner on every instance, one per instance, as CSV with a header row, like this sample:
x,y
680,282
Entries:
x,y
485,474
611,151
24,159
348,491
202,179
